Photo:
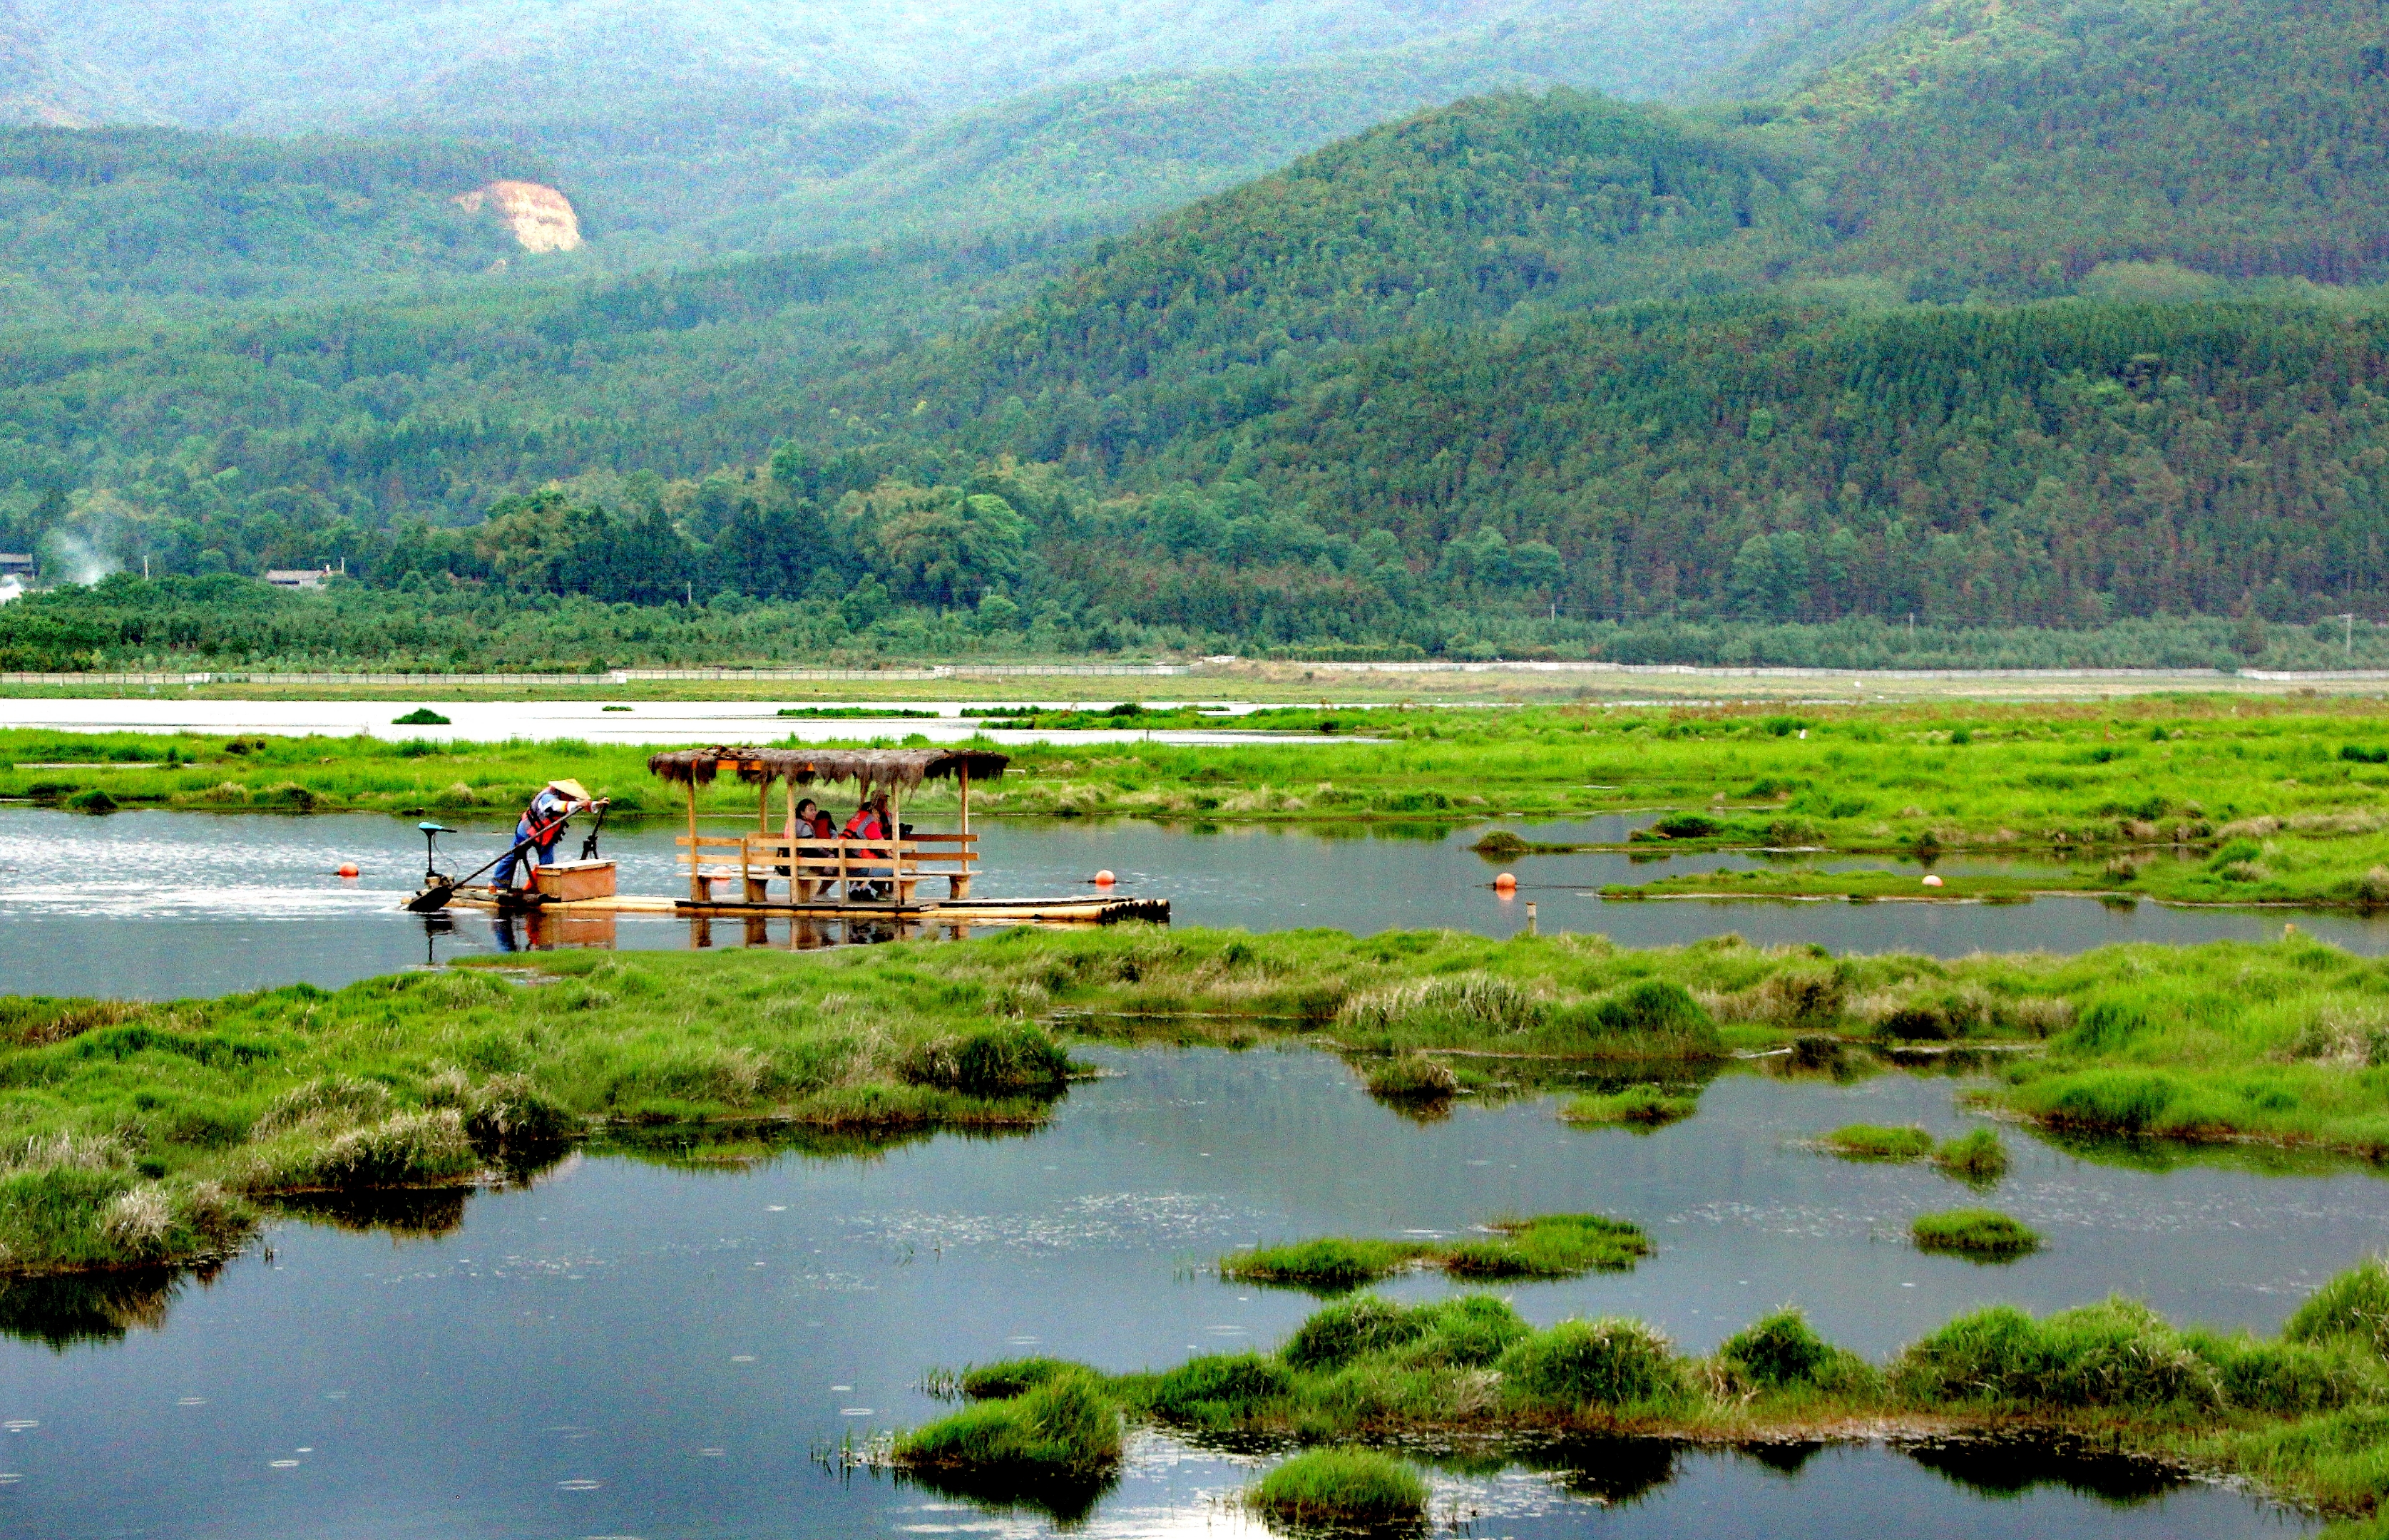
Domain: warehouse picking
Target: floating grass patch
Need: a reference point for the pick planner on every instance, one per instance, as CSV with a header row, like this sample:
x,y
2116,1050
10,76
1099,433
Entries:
x,y
1551,1245
1343,1488
1977,1156
1976,1233
1869,1141
1642,1107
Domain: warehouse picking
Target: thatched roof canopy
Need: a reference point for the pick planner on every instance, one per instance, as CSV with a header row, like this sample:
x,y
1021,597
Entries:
x,y
872,770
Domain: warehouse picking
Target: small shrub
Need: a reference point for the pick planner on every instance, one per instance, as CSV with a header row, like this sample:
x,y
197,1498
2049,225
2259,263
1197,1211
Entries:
x,y
1611,1361
1871,1141
1977,1156
1502,842
422,716
92,801
1688,826
1342,1488
1973,1232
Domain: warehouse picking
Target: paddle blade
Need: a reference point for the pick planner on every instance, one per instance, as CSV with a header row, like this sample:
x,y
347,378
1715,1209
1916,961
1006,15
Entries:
x,y
433,899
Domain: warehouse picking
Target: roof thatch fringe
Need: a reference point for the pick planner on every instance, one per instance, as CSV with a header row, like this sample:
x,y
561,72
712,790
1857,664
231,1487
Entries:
x,y
873,770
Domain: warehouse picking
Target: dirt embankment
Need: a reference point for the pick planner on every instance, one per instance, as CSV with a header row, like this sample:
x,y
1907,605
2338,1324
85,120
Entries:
x,y
541,218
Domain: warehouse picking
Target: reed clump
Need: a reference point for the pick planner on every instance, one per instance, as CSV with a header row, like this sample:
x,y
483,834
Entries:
x,y
1977,1156
1342,1488
1977,1232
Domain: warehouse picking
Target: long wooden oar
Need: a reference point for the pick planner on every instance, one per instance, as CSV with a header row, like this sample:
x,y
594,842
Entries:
x,y
434,898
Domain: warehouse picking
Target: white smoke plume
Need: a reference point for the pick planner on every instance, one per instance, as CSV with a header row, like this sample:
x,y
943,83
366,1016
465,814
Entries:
x,y
72,558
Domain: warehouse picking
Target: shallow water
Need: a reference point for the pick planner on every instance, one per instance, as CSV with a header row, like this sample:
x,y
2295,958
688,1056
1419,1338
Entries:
x,y
679,722
165,904
628,1348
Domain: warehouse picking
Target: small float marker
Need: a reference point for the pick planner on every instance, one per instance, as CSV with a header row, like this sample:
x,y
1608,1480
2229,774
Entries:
x,y
1932,882
347,868
1105,878
1505,883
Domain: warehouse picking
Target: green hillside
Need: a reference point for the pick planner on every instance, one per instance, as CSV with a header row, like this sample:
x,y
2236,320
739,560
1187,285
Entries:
x,y
103,225
2010,149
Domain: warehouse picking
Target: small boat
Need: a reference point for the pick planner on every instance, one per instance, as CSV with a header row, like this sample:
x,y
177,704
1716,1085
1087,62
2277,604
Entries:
x,y
780,874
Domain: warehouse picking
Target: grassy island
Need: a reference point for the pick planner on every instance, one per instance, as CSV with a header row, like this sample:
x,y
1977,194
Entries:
x,y
137,1133
2306,1413
2217,799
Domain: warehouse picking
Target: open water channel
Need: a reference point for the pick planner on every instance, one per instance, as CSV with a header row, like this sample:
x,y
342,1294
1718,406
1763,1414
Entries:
x,y
659,1345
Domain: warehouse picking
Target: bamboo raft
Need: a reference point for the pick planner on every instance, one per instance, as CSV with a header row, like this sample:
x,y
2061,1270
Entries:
x,y
817,878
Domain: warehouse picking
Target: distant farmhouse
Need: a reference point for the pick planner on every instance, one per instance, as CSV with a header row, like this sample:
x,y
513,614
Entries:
x,y
301,577
20,567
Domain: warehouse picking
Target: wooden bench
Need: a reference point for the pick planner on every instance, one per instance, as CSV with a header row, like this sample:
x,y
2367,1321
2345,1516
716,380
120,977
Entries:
x,y
816,868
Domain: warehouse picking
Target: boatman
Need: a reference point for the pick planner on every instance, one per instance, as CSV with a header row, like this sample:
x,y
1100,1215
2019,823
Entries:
x,y
539,827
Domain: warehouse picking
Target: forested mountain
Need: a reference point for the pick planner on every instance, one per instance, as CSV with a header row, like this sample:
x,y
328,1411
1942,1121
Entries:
x,y
113,225
2038,314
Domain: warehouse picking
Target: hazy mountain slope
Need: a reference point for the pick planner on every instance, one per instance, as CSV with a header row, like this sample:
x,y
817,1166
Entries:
x,y
1113,150
2009,147
107,225
661,112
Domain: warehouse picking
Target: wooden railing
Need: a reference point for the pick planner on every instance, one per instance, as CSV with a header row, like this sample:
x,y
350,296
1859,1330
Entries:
x,y
828,871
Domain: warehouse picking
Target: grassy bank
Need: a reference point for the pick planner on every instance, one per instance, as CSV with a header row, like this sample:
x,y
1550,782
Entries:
x,y
139,1133
2207,799
2306,1413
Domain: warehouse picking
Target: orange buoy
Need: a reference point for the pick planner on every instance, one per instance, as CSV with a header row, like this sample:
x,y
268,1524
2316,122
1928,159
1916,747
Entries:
x,y
347,868
1104,879
1505,883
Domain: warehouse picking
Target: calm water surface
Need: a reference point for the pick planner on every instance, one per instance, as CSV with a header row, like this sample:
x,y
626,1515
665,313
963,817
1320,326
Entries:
x,y
165,904
632,1348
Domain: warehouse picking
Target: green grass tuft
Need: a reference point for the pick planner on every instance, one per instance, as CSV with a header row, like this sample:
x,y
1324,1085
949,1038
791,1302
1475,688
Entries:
x,y
1342,1488
1063,1426
2354,1305
1611,1362
1973,1232
1978,1157
1644,1107
1551,1245
1873,1142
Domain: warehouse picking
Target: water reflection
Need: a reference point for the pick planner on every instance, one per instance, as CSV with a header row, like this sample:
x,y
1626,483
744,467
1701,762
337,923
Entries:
x,y
746,1290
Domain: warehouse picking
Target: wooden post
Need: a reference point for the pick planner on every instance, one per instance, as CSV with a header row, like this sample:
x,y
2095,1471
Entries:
x,y
795,883
896,882
696,877
757,889
958,884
